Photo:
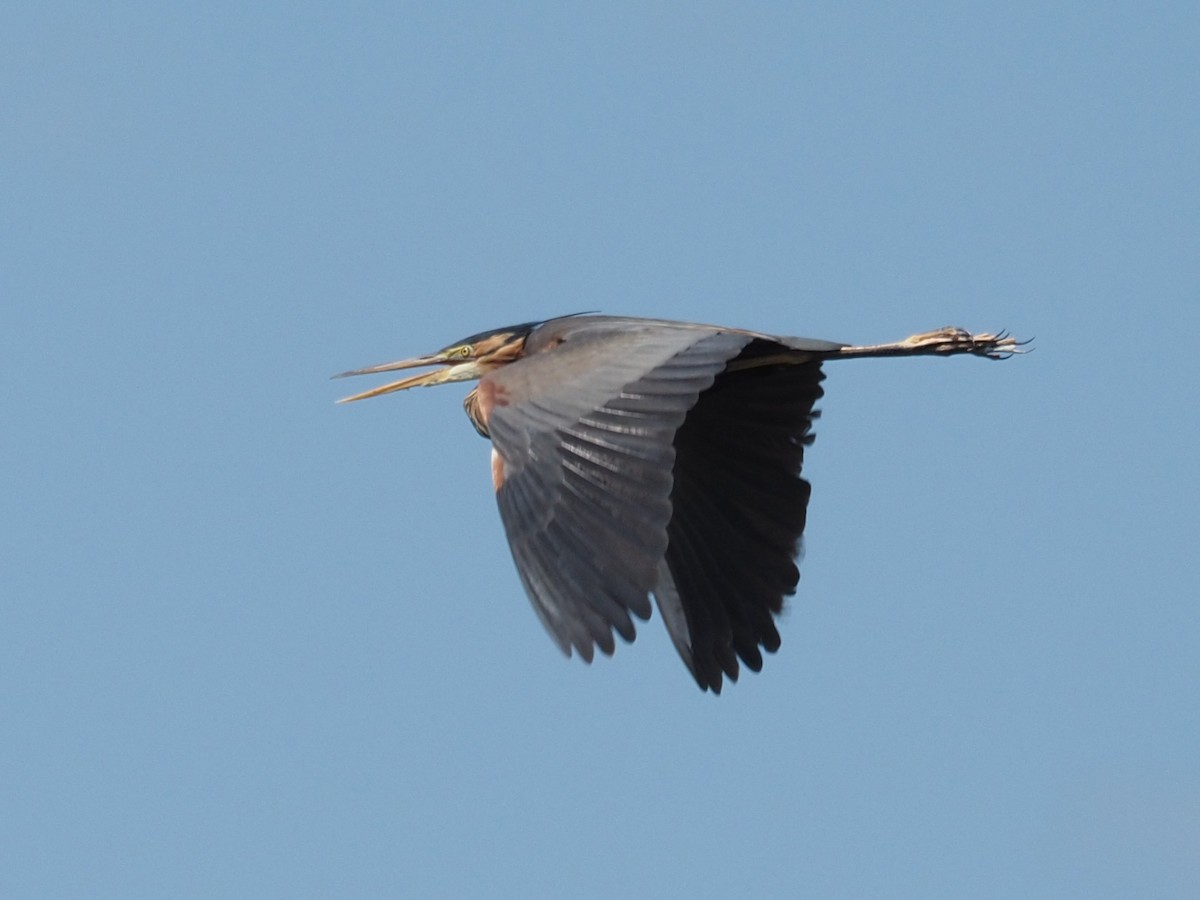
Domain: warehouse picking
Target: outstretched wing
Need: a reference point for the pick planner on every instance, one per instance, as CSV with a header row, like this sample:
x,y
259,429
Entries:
x,y
739,512
585,433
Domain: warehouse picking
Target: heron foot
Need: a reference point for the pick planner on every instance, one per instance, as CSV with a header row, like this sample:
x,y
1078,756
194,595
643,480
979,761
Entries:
x,y
951,340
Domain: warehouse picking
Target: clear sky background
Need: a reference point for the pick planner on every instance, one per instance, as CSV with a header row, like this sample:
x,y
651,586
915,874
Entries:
x,y
253,644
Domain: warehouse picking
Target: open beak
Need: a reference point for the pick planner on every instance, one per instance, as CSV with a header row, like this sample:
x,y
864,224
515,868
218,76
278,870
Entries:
x,y
461,371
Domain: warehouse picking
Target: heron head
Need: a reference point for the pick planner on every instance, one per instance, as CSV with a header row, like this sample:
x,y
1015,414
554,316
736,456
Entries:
x,y
464,360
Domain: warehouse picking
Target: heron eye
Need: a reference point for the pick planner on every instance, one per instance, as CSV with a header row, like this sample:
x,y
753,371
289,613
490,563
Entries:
x,y
464,351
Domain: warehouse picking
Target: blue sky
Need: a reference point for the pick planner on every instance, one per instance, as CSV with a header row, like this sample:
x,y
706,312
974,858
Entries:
x,y
253,644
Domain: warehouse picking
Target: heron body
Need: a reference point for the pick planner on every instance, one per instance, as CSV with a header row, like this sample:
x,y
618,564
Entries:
x,y
639,457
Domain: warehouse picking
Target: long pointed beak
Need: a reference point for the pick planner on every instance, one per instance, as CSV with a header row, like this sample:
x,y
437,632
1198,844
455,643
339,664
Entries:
x,y
417,362
454,372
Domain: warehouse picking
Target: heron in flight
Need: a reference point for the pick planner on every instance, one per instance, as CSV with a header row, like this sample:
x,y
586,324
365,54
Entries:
x,y
637,457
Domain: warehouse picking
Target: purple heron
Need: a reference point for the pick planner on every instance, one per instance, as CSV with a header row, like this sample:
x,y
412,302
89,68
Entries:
x,y
638,457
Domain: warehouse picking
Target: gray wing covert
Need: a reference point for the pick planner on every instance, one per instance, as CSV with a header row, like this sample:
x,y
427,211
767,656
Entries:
x,y
586,433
